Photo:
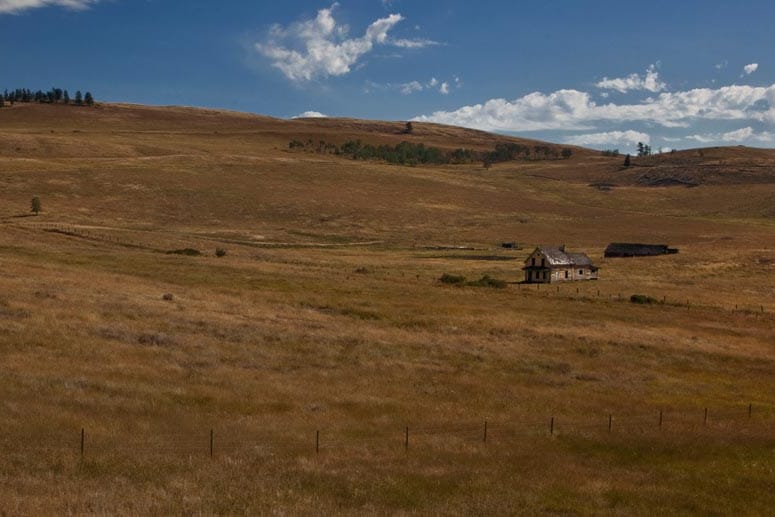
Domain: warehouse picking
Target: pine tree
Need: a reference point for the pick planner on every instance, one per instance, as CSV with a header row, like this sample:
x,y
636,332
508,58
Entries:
x,y
66,97
88,99
78,98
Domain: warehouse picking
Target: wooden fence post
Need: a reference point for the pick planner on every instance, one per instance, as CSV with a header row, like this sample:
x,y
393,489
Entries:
x,y
317,442
610,421
750,407
551,427
485,431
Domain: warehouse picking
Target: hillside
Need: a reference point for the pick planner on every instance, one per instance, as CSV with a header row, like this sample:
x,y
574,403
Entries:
x,y
319,365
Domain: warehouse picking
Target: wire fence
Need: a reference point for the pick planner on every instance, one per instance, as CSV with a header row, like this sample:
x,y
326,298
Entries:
x,y
729,423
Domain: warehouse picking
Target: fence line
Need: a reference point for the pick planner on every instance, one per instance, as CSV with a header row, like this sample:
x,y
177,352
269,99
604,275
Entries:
x,y
492,433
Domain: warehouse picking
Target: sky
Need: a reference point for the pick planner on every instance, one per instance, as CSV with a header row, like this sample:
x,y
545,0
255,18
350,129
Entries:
x,y
604,74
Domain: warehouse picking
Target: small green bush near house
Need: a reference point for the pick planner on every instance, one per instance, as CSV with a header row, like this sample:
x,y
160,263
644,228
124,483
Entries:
x,y
642,299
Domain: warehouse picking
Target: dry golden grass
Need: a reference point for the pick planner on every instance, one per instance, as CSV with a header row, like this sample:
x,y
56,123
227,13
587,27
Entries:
x,y
327,314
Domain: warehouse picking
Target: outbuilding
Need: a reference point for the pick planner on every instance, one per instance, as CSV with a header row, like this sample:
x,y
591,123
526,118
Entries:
x,y
632,249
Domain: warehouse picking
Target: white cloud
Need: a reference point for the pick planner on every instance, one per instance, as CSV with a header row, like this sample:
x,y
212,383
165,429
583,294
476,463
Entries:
x,y
322,47
722,65
411,87
749,69
311,114
575,110
628,137
17,6
649,82
738,135
745,134
414,43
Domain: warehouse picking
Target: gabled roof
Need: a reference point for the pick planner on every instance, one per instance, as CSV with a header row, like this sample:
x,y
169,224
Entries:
x,y
556,256
579,259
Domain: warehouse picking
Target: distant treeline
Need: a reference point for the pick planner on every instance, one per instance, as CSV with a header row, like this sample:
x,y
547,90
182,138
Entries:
x,y
407,153
52,96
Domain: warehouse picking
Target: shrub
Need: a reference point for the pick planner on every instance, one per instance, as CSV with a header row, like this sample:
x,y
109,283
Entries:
x,y
191,252
642,299
446,278
220,252
168,297
488,281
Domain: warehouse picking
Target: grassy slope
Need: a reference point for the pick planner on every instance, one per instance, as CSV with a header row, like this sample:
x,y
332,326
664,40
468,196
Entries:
x,y
283,337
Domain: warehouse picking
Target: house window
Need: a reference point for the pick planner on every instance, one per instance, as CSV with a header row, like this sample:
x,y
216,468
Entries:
x,y
581,272
543,262
534,261
567,273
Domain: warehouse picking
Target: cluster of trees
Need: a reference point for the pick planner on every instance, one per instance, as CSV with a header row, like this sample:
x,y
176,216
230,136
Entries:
x,y
52,96
407,153
610,152
643,149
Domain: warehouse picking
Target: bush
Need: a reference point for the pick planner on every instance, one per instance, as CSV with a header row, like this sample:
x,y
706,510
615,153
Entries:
x,y
446,278
220,252
488,281
642,299
191,252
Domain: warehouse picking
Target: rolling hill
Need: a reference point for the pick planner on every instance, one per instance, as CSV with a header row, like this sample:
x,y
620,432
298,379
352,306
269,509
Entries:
x,y
318,365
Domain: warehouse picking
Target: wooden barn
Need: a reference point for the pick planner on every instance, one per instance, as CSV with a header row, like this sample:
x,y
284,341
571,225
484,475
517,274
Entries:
x,y
553,264
630,249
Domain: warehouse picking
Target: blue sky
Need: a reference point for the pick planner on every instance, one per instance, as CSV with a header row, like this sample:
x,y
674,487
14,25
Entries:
x,y
599,73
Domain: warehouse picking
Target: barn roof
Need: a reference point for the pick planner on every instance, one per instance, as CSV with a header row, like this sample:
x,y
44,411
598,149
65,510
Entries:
x,y
635,249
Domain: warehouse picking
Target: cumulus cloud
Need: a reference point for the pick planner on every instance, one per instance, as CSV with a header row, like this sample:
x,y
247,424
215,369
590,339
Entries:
x,y
444,88
311,114
575,110
628,137
648,82
749,69
17,6
321,47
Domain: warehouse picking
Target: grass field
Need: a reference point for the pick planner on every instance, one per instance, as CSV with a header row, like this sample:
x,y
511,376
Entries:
x,y
326,315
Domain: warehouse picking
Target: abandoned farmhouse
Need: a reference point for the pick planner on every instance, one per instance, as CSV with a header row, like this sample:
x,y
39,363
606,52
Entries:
x,y
553,264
